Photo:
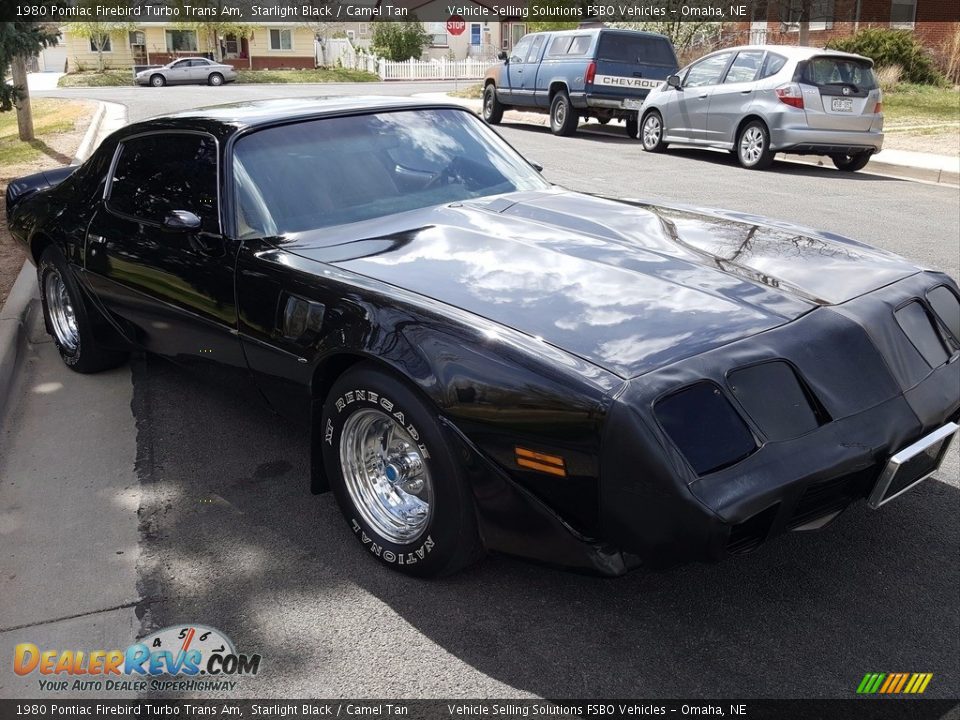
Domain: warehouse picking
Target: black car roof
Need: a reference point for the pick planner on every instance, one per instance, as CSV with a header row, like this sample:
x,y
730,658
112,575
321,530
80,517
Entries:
x,y
231,117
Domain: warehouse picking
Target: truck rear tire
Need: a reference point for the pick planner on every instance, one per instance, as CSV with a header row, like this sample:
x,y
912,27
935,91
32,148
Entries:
x,y
492,109
563,116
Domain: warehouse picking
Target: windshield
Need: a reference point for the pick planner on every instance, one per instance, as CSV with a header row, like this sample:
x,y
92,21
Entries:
x,y
333,171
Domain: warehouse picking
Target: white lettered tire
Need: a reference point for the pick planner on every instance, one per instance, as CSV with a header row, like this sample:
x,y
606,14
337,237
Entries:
x,y
397,482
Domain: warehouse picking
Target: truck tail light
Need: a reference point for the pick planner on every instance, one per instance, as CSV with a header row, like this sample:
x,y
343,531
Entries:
x,y
590,74
791,95
879,108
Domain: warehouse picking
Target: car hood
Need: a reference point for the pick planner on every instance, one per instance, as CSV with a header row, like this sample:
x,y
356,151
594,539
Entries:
x,y
625,285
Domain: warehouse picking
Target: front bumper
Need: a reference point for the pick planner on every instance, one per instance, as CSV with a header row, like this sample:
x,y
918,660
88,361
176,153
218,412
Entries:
x,y
855,360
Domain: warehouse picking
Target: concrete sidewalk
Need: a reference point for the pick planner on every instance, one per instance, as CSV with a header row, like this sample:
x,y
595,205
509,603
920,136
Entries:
x,y
940,169
40,81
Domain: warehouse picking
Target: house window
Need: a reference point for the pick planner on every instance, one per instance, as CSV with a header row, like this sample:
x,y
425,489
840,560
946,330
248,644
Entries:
x,y
350,35
364,31
182,41
438,33
138,37
281,39
474,33
820,17
101,43
903,13
231,46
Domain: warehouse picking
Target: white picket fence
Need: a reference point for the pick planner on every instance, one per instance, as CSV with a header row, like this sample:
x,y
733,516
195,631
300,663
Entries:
x,y
438,69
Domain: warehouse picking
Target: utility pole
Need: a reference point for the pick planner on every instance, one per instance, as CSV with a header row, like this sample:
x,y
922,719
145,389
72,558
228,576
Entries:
x,y
18,69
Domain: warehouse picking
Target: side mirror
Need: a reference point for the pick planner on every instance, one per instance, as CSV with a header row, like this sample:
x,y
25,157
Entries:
x,y
502,55
181,221
674,82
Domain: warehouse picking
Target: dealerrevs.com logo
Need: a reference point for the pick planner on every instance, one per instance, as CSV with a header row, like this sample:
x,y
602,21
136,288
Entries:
x,y
179,654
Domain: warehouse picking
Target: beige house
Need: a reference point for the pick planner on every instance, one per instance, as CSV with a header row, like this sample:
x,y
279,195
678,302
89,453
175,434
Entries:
x,y
279,45
479,38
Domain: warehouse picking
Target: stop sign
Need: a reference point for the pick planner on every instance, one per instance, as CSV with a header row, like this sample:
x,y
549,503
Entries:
x,y
456,25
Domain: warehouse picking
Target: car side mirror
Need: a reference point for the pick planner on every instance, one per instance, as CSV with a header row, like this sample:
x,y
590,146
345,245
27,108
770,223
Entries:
x,y
674,82
181,221
502,55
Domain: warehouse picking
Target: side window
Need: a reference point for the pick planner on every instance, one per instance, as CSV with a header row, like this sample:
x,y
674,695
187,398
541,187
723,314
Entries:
x,y
580,45
707,71
560,45
520,50
745,67
535,48
156,174
772,65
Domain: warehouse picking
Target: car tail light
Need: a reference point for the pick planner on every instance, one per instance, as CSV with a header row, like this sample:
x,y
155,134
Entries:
x,y
791,95
591,73
879,108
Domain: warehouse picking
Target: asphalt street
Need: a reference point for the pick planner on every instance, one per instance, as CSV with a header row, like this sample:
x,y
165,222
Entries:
x,y
228,535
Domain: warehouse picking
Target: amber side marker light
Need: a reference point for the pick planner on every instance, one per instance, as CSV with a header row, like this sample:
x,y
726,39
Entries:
x,y
552,464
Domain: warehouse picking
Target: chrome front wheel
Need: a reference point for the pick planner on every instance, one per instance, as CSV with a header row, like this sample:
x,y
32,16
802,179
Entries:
x,y
63,318
386,475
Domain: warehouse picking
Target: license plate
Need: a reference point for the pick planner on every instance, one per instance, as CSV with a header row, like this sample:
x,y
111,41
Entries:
x,y
632,104
842,104
912,465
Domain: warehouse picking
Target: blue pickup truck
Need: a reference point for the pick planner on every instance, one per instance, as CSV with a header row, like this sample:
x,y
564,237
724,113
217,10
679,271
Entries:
x,y
572,74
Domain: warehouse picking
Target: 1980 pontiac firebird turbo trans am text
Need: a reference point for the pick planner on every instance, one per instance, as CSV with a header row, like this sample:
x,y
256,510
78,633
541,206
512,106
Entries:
x,y
491,362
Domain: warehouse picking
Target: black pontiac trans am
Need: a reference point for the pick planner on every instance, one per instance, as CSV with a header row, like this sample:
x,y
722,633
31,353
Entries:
x,y
491,362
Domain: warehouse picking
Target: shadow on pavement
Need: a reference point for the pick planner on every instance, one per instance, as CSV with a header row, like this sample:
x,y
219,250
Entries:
x,y
232,538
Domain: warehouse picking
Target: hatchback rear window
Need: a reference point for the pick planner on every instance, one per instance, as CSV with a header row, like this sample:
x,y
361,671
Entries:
x,y
636,49
821,71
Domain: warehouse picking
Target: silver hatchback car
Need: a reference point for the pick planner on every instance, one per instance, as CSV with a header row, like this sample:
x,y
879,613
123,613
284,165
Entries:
x,y
756,101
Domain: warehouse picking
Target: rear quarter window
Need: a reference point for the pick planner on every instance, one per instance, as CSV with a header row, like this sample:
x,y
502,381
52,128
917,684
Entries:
x,y
772,64
560,45
636,49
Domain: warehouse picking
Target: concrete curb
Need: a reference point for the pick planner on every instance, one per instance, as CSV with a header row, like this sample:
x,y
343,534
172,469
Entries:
x,y
936,176
15,313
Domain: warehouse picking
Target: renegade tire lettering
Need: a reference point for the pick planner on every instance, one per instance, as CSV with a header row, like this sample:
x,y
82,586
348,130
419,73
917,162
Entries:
x,y
328,432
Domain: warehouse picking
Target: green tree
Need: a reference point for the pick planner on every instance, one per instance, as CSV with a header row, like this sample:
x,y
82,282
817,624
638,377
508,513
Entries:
x,y
19,41
100,34
399,40
683,34
556,8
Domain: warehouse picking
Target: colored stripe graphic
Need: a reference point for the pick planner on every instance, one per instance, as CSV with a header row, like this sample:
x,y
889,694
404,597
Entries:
x,y
894,683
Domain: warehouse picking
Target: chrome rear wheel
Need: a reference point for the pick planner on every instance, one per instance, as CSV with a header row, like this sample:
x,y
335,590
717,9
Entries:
x,y
63,318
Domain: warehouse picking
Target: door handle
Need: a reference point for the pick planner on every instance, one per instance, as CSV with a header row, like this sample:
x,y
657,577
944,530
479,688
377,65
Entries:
x,y
746,92
702,96
97,239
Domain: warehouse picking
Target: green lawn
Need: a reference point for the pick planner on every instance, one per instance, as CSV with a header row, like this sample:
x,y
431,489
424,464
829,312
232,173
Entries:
x,y
921,105
319,75
87,78
49,118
